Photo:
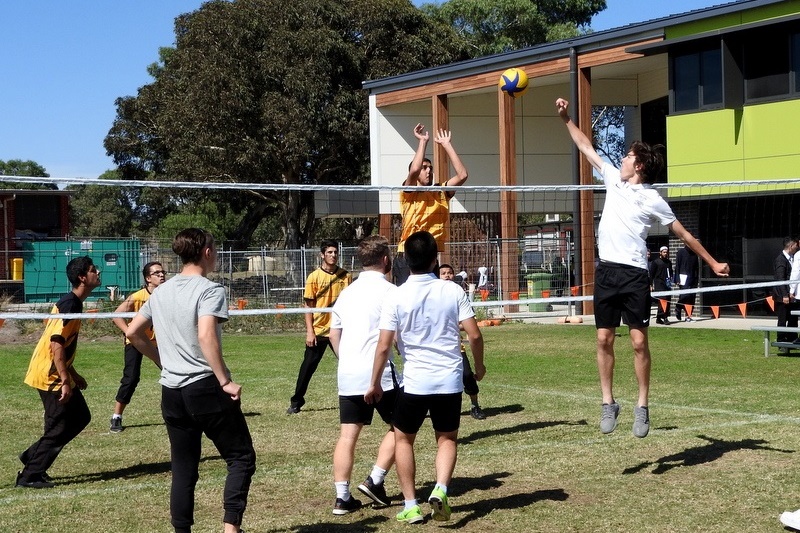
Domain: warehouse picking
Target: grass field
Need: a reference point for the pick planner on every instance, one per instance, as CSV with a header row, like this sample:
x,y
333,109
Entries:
x,y
721,455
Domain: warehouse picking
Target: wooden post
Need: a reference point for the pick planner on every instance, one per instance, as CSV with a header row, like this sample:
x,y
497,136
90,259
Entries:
x,y
509,255
441,166
586,231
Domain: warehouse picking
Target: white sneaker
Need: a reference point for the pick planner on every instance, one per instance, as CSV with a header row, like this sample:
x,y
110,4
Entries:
x,y
790,519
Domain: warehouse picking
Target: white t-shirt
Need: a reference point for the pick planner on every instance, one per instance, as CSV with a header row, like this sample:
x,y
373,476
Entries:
x,y
424,313
628,213
174,312
795,274
357,312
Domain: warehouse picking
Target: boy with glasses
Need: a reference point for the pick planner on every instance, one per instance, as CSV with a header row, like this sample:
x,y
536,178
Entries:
x,y
154,276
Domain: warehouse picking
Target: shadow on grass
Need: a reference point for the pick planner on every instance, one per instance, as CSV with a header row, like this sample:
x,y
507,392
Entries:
x,y
519,428
367,524
480,509
129,472
698,455
156,424
502,410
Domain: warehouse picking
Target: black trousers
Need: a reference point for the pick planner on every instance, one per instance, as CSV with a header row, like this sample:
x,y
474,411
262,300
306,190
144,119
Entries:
x,y
62,423
786,319
203,407
311,358
131,374
470,384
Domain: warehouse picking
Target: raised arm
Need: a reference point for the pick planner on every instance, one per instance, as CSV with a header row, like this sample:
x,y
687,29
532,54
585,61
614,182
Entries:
x,y
416,163
720,269
443,137
580,139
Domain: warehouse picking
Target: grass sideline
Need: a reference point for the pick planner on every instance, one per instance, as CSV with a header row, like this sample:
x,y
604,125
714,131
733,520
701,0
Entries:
x,y
721,456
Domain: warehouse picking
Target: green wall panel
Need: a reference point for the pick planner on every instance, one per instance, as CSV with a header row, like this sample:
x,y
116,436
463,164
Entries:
x,y
789,7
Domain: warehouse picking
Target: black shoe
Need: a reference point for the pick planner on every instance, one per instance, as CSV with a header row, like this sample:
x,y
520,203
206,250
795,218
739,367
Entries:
x,y
39,483
23,458
293,410
343,507
659,321
375,492
116,425
477,413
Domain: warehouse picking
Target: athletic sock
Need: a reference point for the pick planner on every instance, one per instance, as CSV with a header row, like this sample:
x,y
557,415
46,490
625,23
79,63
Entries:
x,y
378,474
443,488
342,490
408,504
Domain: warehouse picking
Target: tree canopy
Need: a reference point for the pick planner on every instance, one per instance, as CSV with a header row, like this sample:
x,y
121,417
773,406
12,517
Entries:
x,y
18,167
262,91
494,26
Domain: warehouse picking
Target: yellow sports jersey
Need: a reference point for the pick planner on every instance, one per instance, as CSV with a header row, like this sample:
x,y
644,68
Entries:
x,y
425,211
42,373
138,299
323,289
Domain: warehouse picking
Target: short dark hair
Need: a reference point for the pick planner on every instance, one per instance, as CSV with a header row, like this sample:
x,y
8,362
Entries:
x,y
421,252
146,268
327,243
651,158
78,267
445,265
371,250
787,241
190,243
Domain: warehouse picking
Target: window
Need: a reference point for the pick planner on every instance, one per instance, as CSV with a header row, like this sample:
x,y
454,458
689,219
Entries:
x,y
767,62
697,79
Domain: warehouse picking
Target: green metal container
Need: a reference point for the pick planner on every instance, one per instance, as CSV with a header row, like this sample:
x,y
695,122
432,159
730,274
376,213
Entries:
x,y
46,267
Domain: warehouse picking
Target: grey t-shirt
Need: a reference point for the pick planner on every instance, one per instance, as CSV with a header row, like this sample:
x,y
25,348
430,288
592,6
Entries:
x,y
174,309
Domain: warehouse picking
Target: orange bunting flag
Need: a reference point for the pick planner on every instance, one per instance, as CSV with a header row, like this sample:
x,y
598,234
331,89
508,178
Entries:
x,y
688,308
715,311
663,304
743,309
771,303
2,321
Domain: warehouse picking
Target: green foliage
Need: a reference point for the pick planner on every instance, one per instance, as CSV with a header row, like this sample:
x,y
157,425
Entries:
x,y
608,125
258,92
494,26
18,167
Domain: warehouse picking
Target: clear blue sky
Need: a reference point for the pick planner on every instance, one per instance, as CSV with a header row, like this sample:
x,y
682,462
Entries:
x,y
65,62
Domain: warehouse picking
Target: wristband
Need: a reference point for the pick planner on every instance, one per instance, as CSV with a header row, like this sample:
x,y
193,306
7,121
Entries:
x,y
226,383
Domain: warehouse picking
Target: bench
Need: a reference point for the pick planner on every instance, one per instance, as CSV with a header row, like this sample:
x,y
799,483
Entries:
x,y
787,346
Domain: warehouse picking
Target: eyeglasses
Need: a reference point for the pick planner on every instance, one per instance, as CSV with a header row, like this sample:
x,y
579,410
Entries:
x,y
426,167
93,269
157,273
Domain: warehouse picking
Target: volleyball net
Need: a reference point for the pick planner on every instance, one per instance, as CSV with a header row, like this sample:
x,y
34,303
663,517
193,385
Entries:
x,y
520,251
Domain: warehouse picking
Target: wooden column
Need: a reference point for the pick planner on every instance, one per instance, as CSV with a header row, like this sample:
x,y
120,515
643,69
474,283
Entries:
x,y
385,227
586,231
509,254
441,166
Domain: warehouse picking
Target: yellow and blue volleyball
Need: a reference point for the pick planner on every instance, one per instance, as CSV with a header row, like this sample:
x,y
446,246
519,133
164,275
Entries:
x,y
514,81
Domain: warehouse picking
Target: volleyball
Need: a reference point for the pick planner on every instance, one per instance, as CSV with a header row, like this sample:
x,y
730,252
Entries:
x,y
514,81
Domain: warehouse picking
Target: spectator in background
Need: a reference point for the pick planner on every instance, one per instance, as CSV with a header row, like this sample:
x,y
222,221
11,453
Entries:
x,y
661,280
782,270
686,277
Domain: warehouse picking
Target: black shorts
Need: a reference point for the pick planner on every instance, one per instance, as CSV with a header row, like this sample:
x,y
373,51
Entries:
x,y
621,291
354,410
445,411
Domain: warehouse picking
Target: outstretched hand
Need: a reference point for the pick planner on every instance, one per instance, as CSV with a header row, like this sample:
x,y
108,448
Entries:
x,y
561,106
420,133
443,136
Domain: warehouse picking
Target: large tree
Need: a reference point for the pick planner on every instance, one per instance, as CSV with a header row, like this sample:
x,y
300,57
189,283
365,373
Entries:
x,y
261,91
18,167
494,26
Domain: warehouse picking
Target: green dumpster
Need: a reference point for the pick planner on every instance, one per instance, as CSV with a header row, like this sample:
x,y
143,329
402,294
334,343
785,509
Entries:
x,y
538,282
